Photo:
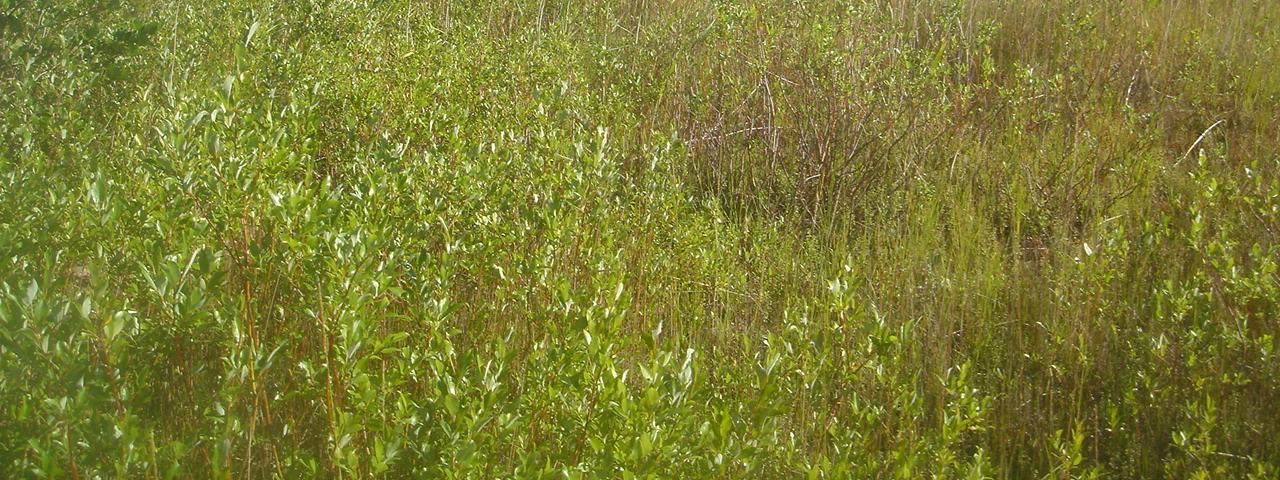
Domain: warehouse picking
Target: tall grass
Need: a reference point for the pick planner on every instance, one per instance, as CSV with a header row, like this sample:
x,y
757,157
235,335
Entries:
x,y
650,239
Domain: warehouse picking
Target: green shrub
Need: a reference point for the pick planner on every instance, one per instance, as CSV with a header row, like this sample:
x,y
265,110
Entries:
x,y
763,239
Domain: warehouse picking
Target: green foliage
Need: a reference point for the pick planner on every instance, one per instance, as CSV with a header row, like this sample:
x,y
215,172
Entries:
x,y
763,239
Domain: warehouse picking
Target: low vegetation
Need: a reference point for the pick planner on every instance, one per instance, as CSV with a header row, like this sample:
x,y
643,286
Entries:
x,y
639,239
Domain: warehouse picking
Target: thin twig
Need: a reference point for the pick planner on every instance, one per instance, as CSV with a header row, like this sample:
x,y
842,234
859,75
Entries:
x,y
1198,140
730,134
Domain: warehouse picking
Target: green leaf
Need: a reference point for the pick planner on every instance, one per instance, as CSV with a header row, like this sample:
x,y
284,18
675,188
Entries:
x,y
249,37
115,325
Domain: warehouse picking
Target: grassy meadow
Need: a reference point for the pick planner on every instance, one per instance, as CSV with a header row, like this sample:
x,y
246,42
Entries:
x,y
639,239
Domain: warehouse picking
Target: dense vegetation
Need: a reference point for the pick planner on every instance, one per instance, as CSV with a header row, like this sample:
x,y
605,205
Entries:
x,y
662,239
